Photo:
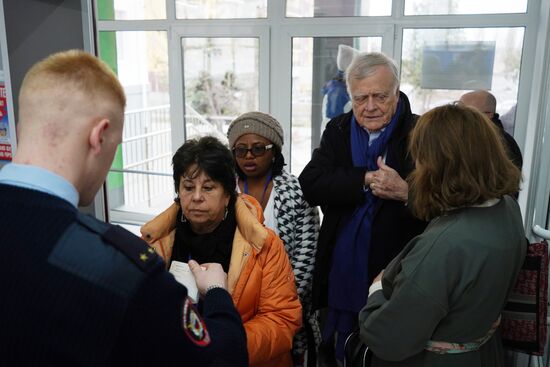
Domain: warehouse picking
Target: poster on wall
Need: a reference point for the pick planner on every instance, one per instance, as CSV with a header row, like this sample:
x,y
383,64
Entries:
x,y
459,66
5,145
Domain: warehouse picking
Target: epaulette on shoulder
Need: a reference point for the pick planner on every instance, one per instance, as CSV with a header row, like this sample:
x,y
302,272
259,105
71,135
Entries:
x,y
133,247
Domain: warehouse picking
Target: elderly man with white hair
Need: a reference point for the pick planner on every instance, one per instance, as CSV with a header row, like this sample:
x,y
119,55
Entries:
x,y
358,177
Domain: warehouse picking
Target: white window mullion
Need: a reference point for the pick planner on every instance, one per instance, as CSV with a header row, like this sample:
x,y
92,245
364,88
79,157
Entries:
x,y
171,10
175,72
535,113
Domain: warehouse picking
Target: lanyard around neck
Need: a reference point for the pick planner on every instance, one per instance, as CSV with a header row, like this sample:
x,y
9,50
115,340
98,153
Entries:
x,y
266,185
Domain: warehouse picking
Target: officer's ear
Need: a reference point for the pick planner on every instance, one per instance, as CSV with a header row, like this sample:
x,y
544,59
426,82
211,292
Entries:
x,y
97,135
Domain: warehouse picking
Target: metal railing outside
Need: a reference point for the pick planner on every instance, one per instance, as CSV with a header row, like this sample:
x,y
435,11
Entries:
x,y
146,150
147,153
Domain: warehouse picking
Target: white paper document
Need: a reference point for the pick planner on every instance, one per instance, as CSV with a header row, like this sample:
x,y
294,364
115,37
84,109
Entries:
x,y
183,275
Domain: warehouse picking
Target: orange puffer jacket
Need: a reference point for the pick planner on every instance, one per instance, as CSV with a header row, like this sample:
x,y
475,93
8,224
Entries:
x,y
260,280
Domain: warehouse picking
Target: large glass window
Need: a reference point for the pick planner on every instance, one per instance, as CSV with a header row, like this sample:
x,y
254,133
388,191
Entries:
x,y
221,82
226,57
427,7
318,89
337,8
140,179
220,9
131,9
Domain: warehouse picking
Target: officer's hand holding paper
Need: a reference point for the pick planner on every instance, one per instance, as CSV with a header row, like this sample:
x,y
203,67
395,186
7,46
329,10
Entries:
x,y
183,275
198,278
208,276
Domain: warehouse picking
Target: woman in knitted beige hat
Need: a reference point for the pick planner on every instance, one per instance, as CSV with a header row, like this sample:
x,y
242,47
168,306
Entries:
x,y
256,139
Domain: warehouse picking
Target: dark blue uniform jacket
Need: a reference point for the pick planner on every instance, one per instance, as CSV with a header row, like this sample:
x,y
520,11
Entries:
x,y
79,292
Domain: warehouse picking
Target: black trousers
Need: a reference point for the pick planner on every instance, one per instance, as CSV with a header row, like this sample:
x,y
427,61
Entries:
x,y
326,355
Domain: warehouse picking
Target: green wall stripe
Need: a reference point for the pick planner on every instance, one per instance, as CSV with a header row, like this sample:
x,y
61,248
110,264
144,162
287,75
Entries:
x,y
106,9
107,53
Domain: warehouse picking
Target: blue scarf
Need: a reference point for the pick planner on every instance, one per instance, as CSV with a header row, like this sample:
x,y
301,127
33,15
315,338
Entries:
x,y
348,278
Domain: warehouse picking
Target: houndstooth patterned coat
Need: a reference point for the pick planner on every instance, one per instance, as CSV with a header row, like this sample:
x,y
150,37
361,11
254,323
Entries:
x,y
298,226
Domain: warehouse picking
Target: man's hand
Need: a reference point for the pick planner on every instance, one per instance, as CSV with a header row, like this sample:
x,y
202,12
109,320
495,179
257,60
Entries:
x,y
387,184
207,275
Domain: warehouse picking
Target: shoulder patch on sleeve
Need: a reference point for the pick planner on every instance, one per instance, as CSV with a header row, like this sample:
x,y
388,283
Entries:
x,y
133,247
193,325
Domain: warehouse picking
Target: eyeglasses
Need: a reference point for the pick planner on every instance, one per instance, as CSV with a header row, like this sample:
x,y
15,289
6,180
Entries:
x,y
256,150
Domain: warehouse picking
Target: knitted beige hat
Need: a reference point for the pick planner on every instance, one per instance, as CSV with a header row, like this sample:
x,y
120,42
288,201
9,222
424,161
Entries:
x,y
256,123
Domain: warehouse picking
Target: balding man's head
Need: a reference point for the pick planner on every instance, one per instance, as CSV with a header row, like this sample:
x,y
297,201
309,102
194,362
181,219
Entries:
x,y
482,100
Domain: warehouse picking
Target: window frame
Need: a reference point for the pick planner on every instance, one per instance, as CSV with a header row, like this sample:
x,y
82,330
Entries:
x,y
176,65
275,73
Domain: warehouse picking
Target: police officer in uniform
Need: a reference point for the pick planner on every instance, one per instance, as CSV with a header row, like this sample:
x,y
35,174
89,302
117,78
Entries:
x,y
76,291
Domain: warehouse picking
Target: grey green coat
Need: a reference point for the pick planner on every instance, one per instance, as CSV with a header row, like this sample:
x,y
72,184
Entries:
x,y
448,284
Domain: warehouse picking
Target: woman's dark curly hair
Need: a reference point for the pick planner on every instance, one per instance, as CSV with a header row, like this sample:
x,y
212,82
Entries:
x,y
211,157
276,167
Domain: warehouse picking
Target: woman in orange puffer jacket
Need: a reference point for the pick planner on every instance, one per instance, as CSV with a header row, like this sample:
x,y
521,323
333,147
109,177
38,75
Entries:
x,y
260,278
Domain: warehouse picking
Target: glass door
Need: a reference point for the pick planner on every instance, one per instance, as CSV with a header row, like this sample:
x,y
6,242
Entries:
x,y
317,58
318,87
220,74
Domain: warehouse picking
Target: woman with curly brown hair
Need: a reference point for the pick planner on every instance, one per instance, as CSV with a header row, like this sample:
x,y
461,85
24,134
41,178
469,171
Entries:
x,y
438,303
